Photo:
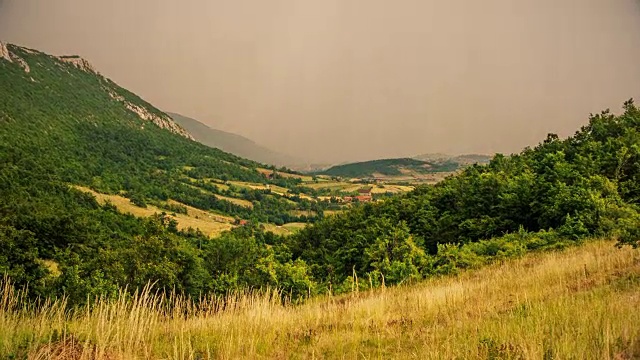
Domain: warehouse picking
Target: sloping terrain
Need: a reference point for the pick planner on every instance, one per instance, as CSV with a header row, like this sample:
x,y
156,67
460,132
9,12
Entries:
x,y
388,167
75,148
99,188
580,303
462,160
232,143
61,121
406,167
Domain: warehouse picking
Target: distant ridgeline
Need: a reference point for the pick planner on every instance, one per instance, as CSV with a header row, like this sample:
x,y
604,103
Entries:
x,y
64,127
232,143
404,166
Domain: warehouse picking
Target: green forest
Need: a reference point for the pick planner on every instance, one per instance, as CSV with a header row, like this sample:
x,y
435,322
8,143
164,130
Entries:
x,y
61,126
389,167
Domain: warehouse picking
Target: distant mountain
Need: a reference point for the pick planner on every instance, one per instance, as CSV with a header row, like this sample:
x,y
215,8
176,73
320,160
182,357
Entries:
x,y
463,160
389,167
421,164
232,143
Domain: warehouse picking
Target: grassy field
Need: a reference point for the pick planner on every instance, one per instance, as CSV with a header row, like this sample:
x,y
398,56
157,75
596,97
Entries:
x,y
286,229
209,223
285,175
241,202
255,186
581,303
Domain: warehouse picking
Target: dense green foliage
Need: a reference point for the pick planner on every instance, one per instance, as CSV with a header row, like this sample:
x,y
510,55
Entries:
x,y
389,167
585,186
67,125
61,125
64,128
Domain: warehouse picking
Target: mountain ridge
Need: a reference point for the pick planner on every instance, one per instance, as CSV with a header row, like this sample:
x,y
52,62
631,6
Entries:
x,y
232,143
418,165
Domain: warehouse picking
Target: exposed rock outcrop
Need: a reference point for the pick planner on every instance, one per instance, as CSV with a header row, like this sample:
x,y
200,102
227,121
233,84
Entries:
x,y
164,122
4,52
78,62
23,64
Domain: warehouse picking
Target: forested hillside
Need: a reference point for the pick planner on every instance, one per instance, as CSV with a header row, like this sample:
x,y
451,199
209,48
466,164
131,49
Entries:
x,y
560,191
63,127
389,167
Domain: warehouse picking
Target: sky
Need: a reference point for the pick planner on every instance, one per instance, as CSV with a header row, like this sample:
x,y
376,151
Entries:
x,y
346,80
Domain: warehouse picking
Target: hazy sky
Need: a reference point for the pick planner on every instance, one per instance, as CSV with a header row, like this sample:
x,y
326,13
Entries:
x,y
335,80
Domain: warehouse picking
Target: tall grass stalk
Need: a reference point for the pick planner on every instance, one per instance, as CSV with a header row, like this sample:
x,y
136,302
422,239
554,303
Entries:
x,y
580,303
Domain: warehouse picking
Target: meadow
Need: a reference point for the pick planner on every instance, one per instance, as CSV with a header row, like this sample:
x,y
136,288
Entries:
x,y
579,303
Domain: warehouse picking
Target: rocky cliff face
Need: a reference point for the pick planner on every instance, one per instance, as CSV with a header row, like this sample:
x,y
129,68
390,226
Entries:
x,y
4,52
11,57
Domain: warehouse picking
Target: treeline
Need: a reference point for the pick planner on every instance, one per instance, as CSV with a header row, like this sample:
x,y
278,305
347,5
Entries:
x,y
559,193
390,167
61,128
585,186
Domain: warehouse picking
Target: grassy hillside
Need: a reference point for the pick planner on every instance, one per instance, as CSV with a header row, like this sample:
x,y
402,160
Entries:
x,y
80,158
462,160
388,167
420,165
232,143
99,188
61,121
580,303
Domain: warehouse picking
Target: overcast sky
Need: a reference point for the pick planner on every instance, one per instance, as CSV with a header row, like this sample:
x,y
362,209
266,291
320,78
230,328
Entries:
x,y
337,80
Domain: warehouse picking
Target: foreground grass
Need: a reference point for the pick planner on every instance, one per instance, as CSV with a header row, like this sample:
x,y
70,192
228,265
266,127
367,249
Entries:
x,y
582,303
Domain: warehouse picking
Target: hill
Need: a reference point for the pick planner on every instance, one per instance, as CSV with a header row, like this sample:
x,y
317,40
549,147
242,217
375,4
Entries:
x,y
62,121
585,186
388,167
462,160
76,150
232,143
578,303
99,188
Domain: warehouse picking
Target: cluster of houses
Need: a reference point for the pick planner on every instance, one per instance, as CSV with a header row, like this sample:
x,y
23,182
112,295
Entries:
x,y
364,195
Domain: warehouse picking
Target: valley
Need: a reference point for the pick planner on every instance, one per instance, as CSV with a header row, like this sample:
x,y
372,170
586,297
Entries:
x,y
123,236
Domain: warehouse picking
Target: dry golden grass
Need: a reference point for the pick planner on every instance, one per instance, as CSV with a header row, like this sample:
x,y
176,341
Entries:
x,y
255,186
578,304
333,185
241,202
285,175
333,212
209,223
390,188
303,212
286,229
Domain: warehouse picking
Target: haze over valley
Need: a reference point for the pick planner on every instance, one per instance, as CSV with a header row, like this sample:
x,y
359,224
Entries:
x,y
319,179
336,81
